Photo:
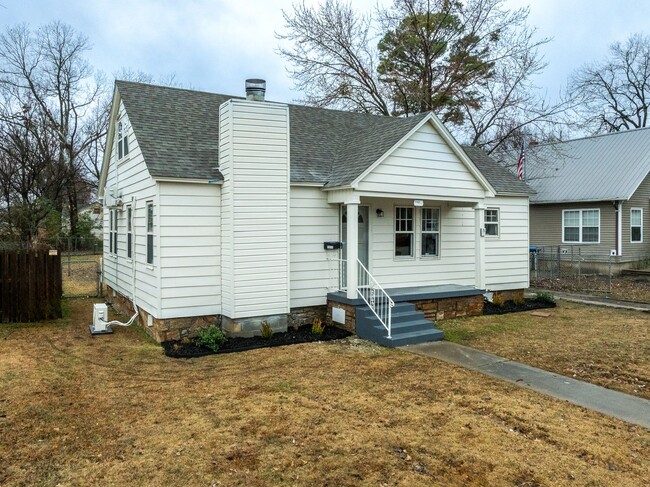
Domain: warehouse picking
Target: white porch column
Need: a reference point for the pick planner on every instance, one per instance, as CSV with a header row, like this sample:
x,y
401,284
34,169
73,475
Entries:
x,y
352,247
479,235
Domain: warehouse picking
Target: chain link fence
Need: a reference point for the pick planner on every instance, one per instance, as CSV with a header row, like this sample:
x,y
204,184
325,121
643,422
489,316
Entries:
x,y
82,275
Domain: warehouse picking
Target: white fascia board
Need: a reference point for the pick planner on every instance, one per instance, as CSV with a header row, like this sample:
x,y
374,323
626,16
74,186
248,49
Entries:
x,y
309,185
110,134
415,196
449,139
187,180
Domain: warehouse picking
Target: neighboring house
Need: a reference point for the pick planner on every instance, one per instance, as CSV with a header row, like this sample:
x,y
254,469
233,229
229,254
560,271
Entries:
x,y
593,194
96,215
228,210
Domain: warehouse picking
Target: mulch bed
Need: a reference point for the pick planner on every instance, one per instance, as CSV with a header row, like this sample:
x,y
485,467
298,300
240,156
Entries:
x,y
510,307
188,348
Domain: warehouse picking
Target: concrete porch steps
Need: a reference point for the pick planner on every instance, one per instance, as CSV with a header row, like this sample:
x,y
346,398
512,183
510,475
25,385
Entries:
x,y
409,326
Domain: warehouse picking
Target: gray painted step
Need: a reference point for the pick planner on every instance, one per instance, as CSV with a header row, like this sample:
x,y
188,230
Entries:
x,y
409,326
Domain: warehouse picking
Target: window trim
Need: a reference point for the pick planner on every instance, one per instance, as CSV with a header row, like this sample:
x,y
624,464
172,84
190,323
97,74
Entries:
x,y
122,131
110,232
413,254
640,226
150,233
129,232
422,232
580,226
497,223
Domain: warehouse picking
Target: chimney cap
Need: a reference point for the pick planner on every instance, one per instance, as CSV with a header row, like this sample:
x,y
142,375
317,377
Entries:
x,y
255,89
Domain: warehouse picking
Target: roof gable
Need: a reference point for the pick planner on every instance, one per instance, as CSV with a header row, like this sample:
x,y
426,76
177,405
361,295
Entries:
x,y
607,167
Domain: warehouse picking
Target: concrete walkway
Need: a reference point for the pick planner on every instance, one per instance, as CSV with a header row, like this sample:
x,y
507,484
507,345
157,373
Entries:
x,y
596,301
623,406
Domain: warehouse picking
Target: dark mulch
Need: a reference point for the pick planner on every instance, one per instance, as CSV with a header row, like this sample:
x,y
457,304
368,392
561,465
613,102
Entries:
x,y
510,307
188,349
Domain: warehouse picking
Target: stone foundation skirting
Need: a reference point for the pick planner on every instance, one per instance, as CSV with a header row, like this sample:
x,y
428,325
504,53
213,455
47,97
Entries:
x,y
350,315
448,308
306,315
510,295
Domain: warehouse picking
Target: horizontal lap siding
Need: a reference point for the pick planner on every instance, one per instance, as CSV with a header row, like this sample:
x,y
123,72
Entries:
x,y
190,249
254,159
423,164
640,199
457,248
506,256
314,271
132,179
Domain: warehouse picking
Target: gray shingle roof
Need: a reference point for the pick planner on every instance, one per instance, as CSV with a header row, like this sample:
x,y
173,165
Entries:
x,y
502,180
600,168
178,133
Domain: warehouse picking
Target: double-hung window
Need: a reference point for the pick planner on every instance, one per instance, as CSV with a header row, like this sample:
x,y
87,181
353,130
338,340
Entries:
x,y
636,225
492,222
149,232
129,232
111,230
404,232
430,228
581,226
122,139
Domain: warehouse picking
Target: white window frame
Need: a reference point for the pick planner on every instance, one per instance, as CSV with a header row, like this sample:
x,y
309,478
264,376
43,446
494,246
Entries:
x,y
404,232
110,231
632,210
431,232
129,232
497,223
150,233
580,226
122,131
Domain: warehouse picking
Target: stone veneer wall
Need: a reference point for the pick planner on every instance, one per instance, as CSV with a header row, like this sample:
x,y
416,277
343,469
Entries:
x,y
162,330
447,308
511,295
350,315
307,315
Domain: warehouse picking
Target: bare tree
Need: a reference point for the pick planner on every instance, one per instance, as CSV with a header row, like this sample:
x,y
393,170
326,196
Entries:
x,y
48,68
614,94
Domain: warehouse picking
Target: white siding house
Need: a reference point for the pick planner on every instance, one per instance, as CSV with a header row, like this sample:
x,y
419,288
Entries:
x,y
239,210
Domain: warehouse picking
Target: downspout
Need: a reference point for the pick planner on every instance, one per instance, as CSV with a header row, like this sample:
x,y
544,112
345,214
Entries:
x,y
619,228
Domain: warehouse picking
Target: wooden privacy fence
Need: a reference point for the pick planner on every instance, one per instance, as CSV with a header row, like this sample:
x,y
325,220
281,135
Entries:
x,y
30,285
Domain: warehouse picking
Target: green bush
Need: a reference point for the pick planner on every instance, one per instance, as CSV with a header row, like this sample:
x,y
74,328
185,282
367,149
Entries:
x,y
211,337
545,296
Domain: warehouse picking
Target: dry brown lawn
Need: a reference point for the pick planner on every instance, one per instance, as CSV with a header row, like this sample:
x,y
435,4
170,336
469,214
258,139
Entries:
x,y
112,410
605,346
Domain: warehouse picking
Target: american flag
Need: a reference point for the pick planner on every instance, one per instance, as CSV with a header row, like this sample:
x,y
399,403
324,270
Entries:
x,y
520,163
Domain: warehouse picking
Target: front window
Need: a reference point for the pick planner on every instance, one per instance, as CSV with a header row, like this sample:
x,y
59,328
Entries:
x,y
149,232
492,222
122,139
581,226
404,232
430,228
636,225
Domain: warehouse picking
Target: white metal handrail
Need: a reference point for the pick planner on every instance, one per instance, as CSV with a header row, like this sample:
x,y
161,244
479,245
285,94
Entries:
x,y
375,297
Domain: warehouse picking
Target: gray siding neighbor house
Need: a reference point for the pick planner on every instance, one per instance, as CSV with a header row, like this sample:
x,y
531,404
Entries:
x,y
594,194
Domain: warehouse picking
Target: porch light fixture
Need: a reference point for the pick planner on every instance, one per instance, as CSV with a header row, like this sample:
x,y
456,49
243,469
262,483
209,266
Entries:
x,y
380,213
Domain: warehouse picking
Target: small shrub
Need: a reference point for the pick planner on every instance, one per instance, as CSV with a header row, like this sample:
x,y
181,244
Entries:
x,y
519,300
317,327
267,331
211,337
497,300
545,296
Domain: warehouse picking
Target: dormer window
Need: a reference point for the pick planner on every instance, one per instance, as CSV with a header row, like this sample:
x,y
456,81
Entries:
x,y
122,139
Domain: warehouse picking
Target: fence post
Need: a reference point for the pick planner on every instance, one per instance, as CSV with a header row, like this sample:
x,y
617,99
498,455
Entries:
x,y
559,257
609,276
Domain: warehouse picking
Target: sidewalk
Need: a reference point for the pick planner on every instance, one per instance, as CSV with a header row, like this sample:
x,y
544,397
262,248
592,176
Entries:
x,y
617,404
595,300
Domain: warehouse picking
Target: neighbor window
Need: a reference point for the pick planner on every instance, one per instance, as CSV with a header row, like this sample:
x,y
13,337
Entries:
x,y
404,232
129,232
149,232
492,222
430,229
122,139
581,226
636,225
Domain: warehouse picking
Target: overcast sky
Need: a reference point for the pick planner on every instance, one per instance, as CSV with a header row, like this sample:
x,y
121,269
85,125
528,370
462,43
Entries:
x,y
214,45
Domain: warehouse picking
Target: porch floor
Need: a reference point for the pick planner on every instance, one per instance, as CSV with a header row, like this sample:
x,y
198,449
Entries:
x,y
414,293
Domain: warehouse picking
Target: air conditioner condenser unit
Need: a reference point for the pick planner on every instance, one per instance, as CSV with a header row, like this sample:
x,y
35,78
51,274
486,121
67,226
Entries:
x,y
100,325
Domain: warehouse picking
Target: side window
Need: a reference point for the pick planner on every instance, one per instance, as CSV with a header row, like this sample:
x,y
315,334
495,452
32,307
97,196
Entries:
x,y
122,139
430,229
492,222
110,231
149,232
636,225
404,232
115,229
129,232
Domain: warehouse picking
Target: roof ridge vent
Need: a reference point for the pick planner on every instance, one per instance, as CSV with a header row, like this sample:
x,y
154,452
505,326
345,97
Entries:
x,y
255,89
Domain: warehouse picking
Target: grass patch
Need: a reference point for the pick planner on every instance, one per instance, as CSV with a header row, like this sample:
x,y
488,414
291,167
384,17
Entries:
x,y
605,346
113,410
